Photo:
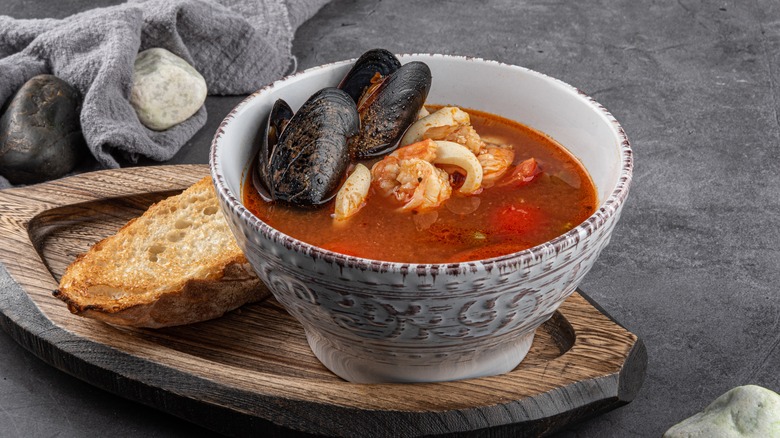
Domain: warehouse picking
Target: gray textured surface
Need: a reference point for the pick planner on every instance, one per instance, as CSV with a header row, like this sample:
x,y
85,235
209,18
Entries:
x,y
94,52
693,265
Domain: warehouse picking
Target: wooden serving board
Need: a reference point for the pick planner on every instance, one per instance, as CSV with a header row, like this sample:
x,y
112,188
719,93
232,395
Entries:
x,y
251,373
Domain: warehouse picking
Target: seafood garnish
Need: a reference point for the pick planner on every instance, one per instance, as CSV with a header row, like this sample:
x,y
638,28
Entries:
x,y
352,195
306,165
377,110
410,176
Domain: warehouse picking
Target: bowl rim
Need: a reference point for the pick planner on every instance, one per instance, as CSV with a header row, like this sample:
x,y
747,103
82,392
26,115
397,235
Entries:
x,y
607,208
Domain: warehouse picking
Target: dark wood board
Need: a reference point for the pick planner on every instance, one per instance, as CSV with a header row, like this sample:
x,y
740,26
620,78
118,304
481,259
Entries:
x,y
251,373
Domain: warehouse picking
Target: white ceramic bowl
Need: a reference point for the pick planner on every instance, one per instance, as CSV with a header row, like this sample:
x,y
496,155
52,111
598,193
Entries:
x,y
374,321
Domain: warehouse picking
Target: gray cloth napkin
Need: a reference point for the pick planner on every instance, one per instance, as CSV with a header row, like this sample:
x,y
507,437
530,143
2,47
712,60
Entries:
x,y
237,45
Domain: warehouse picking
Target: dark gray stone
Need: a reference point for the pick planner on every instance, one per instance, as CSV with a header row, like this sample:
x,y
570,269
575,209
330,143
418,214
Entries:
x,y
40,133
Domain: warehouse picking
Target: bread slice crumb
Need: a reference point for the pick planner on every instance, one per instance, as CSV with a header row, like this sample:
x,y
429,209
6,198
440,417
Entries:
x,y
176,264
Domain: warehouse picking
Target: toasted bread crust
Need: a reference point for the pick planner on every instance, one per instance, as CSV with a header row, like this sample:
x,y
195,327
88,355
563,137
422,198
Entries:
x,y
176,264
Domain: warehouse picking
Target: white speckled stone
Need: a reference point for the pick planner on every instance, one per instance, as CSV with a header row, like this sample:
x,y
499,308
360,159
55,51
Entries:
x,y
745,411
166,89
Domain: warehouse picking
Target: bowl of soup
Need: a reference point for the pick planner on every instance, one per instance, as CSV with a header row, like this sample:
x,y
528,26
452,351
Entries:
x,y
429,264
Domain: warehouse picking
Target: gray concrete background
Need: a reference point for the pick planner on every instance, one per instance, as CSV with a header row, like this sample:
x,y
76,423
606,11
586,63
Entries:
x,y
693,264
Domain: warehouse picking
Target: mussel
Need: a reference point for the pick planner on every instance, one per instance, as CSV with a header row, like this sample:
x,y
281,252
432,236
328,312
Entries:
x,y
390,109
304,164
277,120
304,156
370,64
390,96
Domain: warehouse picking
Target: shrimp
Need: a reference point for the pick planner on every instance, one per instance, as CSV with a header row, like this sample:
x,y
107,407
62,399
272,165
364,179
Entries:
x,y
467,136
424,150
449,123
423,186
410,176
384,175
416,183
495,161
453,124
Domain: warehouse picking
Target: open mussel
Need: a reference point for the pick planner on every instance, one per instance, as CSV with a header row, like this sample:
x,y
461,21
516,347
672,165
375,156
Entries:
x,y
387,108
303,156
370,67
307,162
277,120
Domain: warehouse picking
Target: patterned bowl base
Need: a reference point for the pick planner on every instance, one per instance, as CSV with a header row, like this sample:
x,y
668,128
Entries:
x,y
415,368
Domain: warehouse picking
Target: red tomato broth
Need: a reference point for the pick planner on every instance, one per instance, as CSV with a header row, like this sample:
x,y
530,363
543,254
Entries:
x,y
509,218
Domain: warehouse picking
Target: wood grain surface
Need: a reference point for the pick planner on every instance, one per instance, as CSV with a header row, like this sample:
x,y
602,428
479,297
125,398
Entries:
x,y
251,372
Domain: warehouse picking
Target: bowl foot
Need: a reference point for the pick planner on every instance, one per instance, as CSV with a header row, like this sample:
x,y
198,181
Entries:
x,y
366,370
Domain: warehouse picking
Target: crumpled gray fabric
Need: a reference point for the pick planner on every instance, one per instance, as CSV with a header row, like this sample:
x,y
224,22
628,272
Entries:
x,y
237,45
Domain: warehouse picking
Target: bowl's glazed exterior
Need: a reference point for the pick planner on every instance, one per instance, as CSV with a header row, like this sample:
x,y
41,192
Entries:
x,y
372,321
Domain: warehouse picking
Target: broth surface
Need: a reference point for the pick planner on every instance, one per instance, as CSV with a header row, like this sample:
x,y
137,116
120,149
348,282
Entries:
x,y
504,219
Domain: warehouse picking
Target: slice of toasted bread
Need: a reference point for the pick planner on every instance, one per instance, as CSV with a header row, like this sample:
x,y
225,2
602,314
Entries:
x,y
176,264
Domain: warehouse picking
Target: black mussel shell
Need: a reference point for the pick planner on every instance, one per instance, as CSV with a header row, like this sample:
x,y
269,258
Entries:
x,y
312,156
277,120
390,110
371,62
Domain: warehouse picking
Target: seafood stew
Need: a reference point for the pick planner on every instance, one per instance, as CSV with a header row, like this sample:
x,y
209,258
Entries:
x,y
530,190
323,289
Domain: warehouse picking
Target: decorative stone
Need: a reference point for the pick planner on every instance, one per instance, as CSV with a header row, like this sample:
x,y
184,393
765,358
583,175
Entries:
x,y
745,411
166,89
40,132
